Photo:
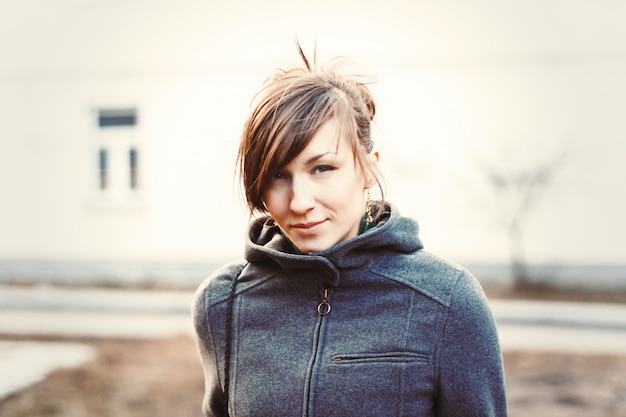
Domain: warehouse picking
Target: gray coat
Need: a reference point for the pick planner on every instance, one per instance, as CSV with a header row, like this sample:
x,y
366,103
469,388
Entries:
x,y
407,334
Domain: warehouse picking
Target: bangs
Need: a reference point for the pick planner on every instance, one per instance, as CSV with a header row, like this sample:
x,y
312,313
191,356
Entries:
x,y
297,120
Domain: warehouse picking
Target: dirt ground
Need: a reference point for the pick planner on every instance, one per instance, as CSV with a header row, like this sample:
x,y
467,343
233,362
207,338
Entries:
x,y
142,378
163,378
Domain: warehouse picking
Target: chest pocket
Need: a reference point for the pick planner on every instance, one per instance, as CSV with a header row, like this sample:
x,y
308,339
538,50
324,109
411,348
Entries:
x,y
377,384
393,357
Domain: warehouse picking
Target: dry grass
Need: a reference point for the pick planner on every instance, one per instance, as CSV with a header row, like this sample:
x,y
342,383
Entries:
x,y
128,378
549,293
551,385
163,378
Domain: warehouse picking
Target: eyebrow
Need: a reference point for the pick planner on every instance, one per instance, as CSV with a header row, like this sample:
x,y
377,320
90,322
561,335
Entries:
x,y
320,156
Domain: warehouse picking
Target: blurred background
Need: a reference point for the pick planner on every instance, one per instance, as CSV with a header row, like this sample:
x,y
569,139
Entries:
x,y
500,125
501,128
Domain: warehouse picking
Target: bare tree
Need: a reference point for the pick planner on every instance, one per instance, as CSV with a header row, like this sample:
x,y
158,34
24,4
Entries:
x,y
517,191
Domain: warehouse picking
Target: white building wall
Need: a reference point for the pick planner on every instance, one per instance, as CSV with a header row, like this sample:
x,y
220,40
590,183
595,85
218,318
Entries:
x,y
187,134
187,206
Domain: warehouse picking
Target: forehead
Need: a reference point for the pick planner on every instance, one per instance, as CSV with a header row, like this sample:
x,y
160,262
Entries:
x,y
330,138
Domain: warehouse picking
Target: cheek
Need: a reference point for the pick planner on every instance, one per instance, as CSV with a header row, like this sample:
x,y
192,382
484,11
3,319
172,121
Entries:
x,y
275,202
348,196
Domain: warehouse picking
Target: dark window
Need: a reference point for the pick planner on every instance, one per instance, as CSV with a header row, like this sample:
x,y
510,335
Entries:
x,y
102,165
115,118
133,159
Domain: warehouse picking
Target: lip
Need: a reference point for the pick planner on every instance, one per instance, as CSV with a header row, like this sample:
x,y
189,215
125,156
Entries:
x,y
306,228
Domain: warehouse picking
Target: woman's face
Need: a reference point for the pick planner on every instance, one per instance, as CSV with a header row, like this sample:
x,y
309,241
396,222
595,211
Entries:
x,y
318,198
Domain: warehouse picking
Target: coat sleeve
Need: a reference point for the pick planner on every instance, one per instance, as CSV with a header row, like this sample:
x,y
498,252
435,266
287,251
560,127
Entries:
x,y
212,404
471,374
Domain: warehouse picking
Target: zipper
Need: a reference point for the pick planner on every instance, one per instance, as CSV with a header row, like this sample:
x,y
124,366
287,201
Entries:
x,y
323,307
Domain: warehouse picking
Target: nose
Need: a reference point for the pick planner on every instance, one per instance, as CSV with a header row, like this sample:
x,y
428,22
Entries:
x,y
302,197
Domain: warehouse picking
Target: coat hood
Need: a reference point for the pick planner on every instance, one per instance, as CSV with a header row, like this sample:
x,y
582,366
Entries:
x,y
392,234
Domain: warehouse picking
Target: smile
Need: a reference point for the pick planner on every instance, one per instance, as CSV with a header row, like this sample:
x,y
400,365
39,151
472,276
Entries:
x,y
306,228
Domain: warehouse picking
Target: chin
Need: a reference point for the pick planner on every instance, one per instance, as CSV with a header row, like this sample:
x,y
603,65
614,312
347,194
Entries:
x,y
314,247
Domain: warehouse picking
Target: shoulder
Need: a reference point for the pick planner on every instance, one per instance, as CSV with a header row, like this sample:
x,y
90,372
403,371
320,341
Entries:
x,y
216,287
437,278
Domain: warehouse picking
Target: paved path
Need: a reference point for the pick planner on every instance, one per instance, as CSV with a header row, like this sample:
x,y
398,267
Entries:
x,y
585,328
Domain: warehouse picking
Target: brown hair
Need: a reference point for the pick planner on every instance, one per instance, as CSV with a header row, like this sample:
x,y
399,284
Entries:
x,y
289,110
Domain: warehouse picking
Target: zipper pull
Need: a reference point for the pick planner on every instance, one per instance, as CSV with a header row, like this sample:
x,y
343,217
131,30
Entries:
x,y
324,308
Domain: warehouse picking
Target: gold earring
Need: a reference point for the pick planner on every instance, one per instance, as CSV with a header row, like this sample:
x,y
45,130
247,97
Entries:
x,y
368,208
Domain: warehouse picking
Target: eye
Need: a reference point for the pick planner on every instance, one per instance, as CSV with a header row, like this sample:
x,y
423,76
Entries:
x,y
320,169
278,176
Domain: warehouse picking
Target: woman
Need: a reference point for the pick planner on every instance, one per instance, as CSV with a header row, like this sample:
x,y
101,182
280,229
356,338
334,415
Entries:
x,y
337,310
